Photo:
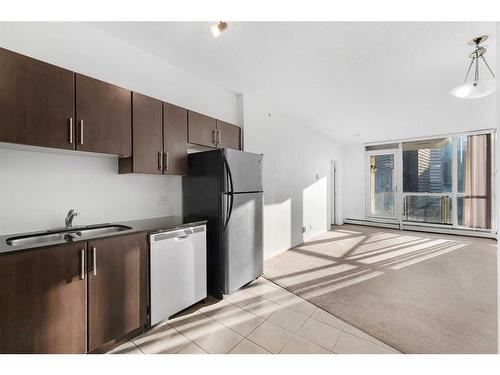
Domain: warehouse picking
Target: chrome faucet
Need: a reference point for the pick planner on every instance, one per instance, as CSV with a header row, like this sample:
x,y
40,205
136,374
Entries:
x,y
69,218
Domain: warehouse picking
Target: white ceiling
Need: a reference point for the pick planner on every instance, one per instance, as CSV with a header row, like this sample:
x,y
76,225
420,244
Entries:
x,y
381,80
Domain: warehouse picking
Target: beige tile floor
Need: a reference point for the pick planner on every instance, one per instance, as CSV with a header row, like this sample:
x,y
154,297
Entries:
x,y
261,318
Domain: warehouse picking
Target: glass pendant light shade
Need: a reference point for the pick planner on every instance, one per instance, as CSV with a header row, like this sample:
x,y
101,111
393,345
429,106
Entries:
x,y
475,89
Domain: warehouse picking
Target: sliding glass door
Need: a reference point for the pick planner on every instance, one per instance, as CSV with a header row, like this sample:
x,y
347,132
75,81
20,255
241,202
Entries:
x,y
382,185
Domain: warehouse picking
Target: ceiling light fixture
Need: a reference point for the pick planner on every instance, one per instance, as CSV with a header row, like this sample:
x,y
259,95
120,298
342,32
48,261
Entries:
x,y
477,88
218,29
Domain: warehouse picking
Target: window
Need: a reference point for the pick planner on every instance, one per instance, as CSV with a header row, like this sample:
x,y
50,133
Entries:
x,y
381,185
446,181
427,181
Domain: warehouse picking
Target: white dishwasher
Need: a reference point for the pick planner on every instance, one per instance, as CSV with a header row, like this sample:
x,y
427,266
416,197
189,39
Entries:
x,y
178,264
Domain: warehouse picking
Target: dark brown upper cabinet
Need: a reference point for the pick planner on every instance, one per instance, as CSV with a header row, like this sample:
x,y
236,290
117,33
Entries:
x,y
175,125
117,303
103,113
36,102
228,135
43,300
159,137
147,137
202,130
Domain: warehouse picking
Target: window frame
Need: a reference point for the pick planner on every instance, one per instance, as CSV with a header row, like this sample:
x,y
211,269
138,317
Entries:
x,y
454,194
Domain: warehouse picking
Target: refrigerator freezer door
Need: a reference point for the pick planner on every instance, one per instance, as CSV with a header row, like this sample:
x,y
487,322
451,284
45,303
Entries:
x,y
243,241
245,171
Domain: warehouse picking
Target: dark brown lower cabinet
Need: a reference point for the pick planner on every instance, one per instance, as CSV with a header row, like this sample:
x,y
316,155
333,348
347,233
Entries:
x,y
75,298
117,287
43,301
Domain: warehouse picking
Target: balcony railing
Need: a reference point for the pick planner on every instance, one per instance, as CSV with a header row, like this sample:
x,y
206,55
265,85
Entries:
x,y
432,208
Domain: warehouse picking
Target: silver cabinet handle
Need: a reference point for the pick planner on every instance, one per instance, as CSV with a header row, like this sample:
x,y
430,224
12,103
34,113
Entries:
x,y
82,265
71,130
214,136
81,132
160,161
94,260
167,161
219,135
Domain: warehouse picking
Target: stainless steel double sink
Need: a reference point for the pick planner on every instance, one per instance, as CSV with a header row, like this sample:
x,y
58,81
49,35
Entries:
x,y
65,234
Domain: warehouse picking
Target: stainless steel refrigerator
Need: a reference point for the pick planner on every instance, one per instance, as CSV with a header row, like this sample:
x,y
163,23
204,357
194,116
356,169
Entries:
x,y
225,187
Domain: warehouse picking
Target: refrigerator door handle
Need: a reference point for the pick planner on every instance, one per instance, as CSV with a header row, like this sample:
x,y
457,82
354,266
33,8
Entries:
x,y
229,175
230,210
231,192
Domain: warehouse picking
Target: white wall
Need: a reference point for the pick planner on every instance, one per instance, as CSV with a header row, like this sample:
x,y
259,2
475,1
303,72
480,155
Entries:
x,y
296,176
353,182
37,188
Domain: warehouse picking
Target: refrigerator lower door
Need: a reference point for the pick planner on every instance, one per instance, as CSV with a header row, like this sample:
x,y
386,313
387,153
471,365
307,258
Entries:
x,y
245,170
243,241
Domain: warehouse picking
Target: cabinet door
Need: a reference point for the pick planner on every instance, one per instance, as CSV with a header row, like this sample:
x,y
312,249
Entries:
x,y
229,135
36,102
147,133
201,129
117,287
43,301
104,115
175,139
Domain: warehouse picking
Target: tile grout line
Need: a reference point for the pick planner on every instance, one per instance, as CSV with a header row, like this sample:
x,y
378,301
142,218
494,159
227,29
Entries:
x,y
238,343
295,334
137,346
260,346
288,342
185,346
243,337
222,324
192,342
182,334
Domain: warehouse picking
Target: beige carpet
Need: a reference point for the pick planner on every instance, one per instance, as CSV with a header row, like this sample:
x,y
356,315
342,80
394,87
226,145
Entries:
x,y
418,292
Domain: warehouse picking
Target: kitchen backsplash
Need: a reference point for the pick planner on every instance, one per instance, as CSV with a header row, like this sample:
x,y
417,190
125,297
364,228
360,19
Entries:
x,y
38,187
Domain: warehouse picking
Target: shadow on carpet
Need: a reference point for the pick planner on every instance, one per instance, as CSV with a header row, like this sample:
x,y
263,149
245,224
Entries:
x,y
417,292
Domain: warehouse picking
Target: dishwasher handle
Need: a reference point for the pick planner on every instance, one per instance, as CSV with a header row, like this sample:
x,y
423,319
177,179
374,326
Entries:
x,y
178,234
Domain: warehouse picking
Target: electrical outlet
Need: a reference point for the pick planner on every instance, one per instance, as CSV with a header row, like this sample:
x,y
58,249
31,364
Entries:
x,y
163,200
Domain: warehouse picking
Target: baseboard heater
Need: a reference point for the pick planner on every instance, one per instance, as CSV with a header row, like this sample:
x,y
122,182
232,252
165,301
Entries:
x,y
458,232
422,228
372,223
